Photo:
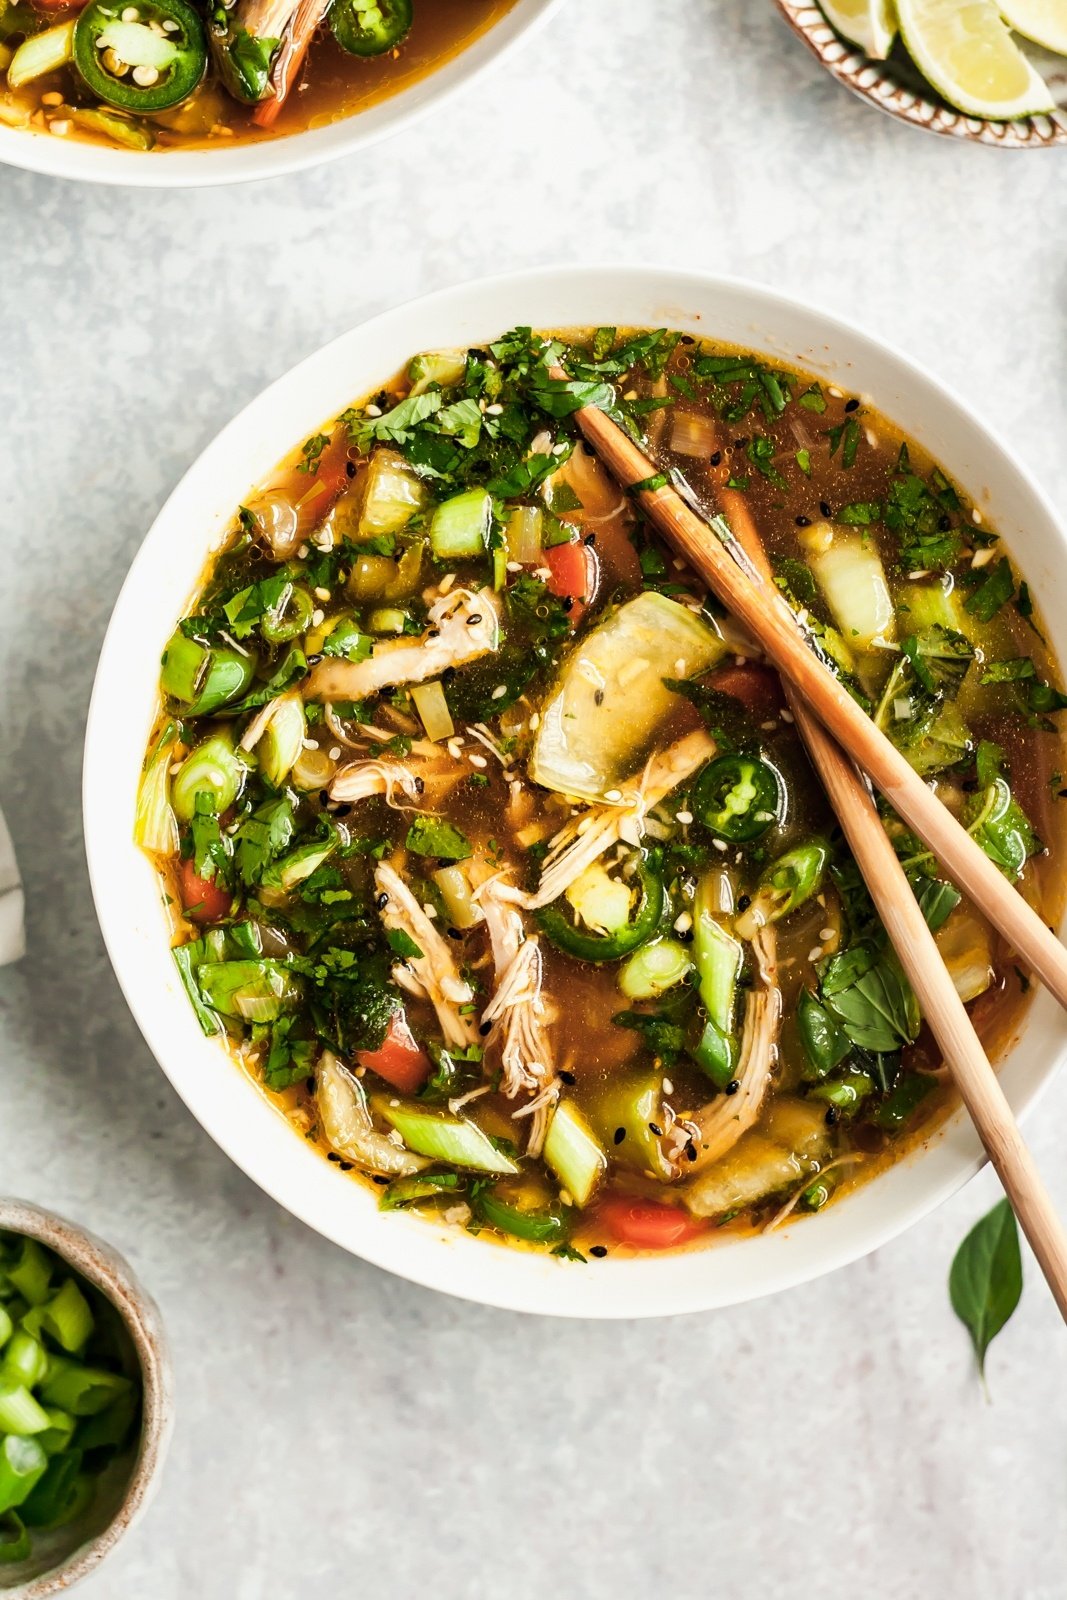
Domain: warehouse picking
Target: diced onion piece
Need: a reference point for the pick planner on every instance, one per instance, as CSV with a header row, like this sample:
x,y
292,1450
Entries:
x,y
456,893
523,535
966,949
574,1152
454,1140
692,435
432,707
460,527
654,969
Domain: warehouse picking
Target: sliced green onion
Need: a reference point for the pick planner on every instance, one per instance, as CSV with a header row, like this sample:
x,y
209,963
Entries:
x,y
654,969
425,1186
59,1432
574,1152
14,1540
83,1391
213,768
154,827
25,1359
536,1227
451,1139
134,135
523,535
387,619
110,1428
41,53
6,1327
19,1411
58,1496
67,1318
22,1465
32,1273
460,526
290,618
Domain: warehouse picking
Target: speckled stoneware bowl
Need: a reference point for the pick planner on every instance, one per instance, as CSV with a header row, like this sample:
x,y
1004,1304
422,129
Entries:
x,y
63,1557
896,87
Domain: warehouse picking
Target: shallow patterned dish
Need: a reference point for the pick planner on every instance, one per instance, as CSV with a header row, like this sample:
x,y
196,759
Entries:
x,y
897,88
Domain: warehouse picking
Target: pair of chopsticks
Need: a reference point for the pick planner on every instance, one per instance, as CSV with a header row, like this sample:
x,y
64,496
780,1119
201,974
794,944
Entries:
x,y
840,739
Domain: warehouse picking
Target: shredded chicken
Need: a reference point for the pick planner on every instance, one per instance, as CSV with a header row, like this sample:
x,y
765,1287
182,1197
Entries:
x,y
585,838
433,975
462,627
718,1126
519,1012
361,779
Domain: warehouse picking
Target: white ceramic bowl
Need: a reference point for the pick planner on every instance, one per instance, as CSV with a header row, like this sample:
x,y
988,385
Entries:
x,y
125,885
185,169
62,1557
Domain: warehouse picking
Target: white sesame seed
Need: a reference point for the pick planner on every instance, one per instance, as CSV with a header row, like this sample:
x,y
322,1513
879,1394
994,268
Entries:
x,y
317,616
335,752
455,748
667,1086
683,922
494,411
612,794
816,954
499,692
310,744
170,26
631,394
145,77
564,1198
302,552
827,933
768,727
430,910
685,818
982,558
560,449
787,716
372,411
514,566
535,721
679,666
838,394
446,582
739,661
130,14
52,98
478,761
321,593
720,844
976,515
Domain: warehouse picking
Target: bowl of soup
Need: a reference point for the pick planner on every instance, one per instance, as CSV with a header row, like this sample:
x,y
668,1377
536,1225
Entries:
x,y
456,852
167,94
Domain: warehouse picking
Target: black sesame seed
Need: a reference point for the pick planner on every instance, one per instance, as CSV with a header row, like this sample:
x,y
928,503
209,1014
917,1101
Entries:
x,y
598,697
454,933
324,797
656,1129
331,1155
620,1135
376,1177
715,458
824,508
419,785
567,1077
590,538
803,522
381,901
309,1085
733,1086
350,468
831,1115
944,523
474,619
690,1151
684,935
598,1250
346,1166
484,1028
852,405
567,602
743,902
739,444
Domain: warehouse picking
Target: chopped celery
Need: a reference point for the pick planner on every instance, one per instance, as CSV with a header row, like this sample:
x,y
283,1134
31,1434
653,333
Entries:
x,y
850,574
460,526
934,605
41,53
456,893
59,1432
370,579
717,955
83,1391
441,367
282,739
393,494
574,1152
31,1274
347,1125
67,1317
432,706
256,991
134,135
609,703
213,768
6,1327
654,969
522,535
632,1102
453,1139
154,826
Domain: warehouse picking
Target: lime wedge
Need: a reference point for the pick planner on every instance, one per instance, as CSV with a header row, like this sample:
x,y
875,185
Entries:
x,y
1043,21
965,52
870,24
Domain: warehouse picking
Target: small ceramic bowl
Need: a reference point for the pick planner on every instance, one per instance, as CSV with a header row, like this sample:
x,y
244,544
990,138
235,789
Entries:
x,y
66,1555
897,88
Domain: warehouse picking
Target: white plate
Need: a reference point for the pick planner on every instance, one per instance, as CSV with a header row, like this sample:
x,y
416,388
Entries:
x,y
160,583
270,158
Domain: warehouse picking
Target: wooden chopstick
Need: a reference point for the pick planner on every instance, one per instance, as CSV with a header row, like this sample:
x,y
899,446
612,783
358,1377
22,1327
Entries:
x,y
732,576
920,958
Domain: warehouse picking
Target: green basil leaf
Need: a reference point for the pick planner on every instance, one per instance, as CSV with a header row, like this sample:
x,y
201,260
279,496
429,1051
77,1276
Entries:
x,y
986,1279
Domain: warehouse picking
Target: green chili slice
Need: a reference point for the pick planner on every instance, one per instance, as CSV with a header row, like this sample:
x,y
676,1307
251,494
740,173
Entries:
x,y
737,797
134,66
290,617
591,946
369,27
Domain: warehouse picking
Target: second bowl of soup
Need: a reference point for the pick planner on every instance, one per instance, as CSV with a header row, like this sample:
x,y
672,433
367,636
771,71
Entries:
x,y
479,869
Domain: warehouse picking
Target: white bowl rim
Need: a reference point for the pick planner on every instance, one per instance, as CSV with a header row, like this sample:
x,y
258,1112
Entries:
x,y
82,162
516,1280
